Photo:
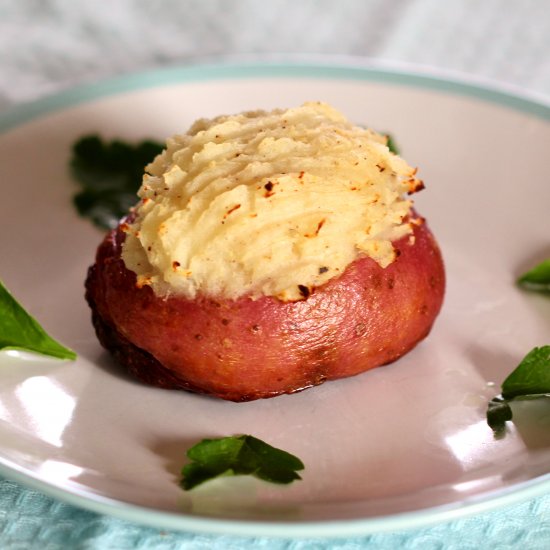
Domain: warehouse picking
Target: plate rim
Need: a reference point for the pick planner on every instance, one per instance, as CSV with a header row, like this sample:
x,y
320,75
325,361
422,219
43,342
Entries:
x,y
238,68
330,529
332,68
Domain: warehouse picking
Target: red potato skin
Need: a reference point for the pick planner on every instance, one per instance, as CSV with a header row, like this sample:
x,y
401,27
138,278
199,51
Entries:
x,y
245,349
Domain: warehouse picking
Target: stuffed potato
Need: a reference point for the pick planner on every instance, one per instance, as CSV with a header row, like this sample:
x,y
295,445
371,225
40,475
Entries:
x,y
270,252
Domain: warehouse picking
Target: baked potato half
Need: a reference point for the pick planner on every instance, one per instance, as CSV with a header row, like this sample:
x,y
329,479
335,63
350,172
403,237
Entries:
x,y
244,349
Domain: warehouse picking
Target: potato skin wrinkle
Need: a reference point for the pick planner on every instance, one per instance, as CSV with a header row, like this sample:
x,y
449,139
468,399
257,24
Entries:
x,y
244,349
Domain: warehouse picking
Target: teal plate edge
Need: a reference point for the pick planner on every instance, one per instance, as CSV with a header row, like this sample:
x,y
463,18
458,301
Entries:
x,y
352,69
426,517
404,74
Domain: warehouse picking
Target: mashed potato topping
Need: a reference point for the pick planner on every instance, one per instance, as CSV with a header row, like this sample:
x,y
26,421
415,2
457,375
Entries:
x,y
267,203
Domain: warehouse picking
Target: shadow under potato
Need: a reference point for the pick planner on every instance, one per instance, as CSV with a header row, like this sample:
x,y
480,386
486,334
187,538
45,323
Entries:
x,y
107,363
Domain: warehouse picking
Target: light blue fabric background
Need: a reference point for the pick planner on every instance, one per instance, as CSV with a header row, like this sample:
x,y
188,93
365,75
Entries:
x,y
51,45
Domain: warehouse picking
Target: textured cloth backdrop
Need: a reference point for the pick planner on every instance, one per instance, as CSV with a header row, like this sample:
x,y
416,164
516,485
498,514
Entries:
x,y
49,45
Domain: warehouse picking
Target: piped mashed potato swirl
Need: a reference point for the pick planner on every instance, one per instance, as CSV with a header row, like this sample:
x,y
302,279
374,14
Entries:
x,y
267,204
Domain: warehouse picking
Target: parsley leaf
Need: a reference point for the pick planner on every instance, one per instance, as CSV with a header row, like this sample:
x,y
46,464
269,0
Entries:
x,y
531,377
529,380
18,330
109,174
498,412
392,146
238,455
538,278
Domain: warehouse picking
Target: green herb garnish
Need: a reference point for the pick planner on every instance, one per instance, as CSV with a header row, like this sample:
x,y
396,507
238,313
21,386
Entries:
x,y
18,330
392,146
110,174
538,278
239,455
498,413
530,380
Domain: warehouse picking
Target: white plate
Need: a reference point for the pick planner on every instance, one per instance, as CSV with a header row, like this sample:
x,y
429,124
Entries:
x,y
403,445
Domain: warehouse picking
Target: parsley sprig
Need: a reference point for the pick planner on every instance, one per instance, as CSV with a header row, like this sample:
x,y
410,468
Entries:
x,y
21,331
239,455
392,145
537,278
530,380
109,174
